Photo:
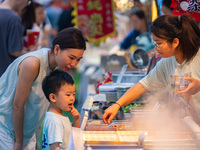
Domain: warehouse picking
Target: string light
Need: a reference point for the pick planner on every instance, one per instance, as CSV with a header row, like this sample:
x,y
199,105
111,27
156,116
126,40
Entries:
x,y
123,5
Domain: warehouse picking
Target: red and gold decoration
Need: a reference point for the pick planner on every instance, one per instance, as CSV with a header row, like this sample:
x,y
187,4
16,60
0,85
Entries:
x,y
95,19
187,6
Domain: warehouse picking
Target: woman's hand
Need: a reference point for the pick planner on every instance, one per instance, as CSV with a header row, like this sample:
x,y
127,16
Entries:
x,y
18,146
110,113
193,88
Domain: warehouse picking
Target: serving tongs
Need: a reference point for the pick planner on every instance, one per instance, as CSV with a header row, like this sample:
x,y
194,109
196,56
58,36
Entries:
x,y
121,74
111,124
84,120
141,138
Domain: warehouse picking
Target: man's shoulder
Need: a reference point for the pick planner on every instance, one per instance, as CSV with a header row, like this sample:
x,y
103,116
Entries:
x,y
133,32
9,15
8,12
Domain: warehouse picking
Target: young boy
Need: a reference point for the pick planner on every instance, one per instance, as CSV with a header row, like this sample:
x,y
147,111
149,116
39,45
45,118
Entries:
x,y
59,89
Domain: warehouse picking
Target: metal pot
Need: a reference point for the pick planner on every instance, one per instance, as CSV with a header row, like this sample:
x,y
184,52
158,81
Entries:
x,y
139,59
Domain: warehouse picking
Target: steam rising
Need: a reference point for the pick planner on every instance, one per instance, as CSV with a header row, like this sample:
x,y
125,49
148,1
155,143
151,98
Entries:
x,y
163,119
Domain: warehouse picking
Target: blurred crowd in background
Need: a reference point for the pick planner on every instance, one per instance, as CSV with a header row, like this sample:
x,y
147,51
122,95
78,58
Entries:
x,y
43,19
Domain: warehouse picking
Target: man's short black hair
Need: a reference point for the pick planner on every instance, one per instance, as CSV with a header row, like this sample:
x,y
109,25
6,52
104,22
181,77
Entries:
x,y
168,3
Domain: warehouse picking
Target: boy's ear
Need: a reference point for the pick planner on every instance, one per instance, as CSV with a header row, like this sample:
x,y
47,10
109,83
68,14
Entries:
x,y
52,97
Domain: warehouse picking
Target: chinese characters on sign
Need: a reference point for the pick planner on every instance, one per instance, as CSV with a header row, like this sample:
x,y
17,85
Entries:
x,y
95,18
187,6
194,6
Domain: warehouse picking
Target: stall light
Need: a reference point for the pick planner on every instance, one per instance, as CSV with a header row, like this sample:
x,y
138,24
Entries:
x,y
124,1
130,4
119,4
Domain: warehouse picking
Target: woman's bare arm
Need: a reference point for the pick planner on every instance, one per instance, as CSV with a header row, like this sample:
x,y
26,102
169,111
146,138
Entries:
x,y
27,72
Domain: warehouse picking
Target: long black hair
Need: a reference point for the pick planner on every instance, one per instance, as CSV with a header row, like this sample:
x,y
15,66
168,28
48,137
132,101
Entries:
x,y
28,17
182,27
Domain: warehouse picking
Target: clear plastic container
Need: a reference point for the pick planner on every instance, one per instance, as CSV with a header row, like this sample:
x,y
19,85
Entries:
x,y
178,83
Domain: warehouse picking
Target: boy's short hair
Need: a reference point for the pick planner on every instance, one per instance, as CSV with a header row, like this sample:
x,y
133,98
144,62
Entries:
x,y
53,82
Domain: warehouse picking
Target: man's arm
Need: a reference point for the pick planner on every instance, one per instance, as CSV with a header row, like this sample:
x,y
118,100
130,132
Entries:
x,y
19,53
24,51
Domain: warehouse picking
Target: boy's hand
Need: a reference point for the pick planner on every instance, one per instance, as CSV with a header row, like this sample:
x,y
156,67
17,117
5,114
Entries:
x,y
74,112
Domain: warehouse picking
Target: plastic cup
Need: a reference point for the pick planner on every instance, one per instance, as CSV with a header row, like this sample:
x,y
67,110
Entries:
x,y
32,37
178,83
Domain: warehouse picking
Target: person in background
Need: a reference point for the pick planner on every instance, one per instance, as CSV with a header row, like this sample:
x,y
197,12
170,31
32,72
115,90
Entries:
x,y
53,12
166,9
59,89
41,25
66,17
139,24
28,19
139,5
11,32
34,20
22,101
177,40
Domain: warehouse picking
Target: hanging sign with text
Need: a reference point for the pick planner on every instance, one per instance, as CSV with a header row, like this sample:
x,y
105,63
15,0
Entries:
x,y
95,19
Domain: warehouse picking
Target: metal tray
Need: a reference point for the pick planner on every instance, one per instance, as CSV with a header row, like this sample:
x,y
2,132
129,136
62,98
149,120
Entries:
x,y
173,140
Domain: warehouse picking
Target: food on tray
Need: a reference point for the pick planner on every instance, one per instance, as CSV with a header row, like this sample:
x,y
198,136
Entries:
x,y
126,109
100,136
95,122
131,135
100,126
